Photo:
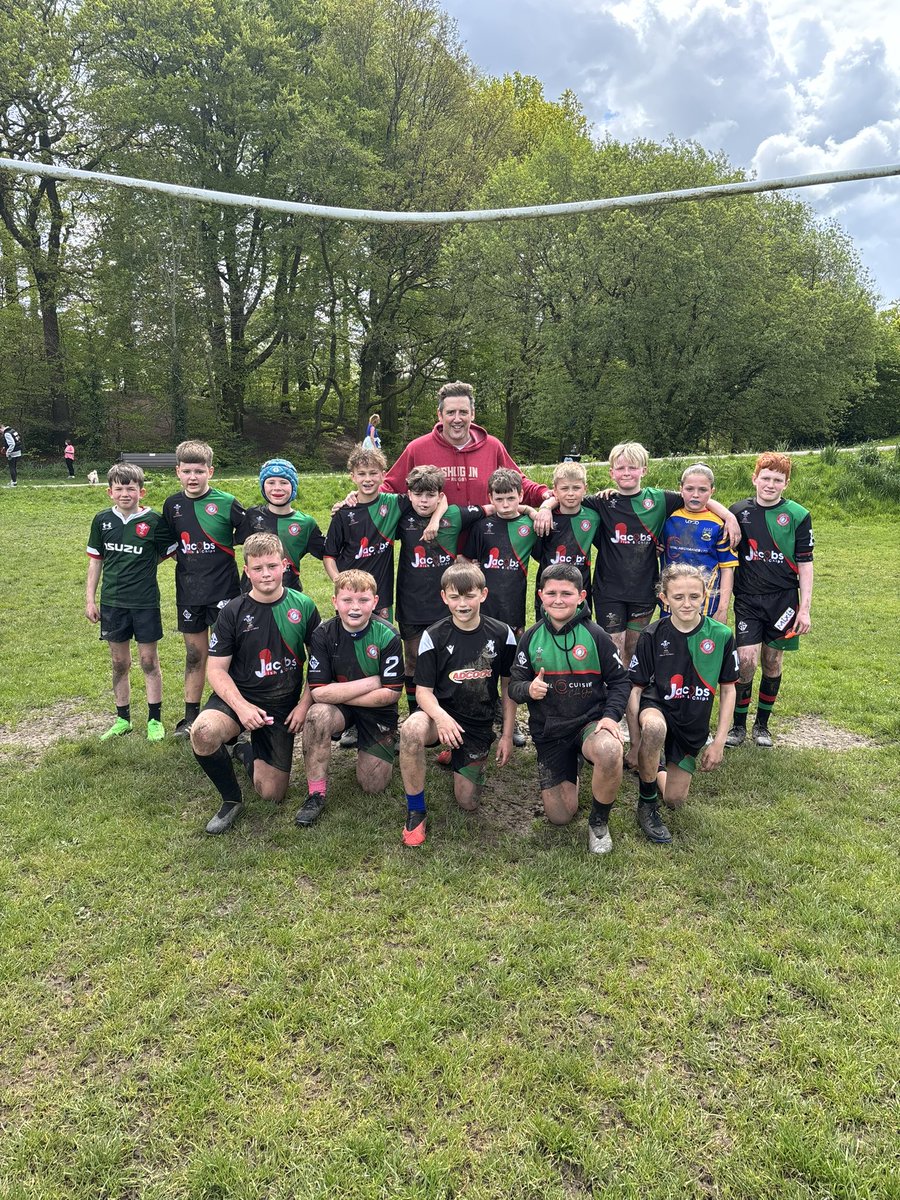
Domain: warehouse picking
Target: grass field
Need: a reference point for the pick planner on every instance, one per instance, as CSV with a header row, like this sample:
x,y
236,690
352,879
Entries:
x,y
277,1014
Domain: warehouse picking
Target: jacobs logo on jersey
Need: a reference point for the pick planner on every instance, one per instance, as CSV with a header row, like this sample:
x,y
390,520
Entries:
x,y
622,537
783,519
586,526
647,502
707,646
293,529
211,508
372,651
524,530
294,615
679,690
274,666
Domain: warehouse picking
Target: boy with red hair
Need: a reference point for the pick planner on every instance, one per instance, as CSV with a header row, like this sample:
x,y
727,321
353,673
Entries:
x,y
772,590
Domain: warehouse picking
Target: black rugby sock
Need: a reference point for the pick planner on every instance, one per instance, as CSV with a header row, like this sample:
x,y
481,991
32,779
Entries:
x,y
599,813
123,711
220,770
768,693
648,793
154,711
742,703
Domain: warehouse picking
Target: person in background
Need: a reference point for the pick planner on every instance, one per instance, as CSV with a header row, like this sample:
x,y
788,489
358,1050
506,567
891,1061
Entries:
x,y
12,447
69,458
372,441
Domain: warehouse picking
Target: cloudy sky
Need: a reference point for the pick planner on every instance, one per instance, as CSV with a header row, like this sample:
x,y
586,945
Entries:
x,y
784,88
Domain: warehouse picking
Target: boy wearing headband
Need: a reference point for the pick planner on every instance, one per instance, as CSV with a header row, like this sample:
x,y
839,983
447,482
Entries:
x,y
299,533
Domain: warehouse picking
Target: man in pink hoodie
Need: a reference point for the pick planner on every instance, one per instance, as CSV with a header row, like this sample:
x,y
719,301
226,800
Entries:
x,y
466,453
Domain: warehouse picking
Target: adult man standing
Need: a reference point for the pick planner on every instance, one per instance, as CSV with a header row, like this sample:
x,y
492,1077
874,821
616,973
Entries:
x,y
12,444
465,452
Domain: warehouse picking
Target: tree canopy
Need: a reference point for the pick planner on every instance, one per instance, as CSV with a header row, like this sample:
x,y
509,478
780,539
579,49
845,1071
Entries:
x,y
131,320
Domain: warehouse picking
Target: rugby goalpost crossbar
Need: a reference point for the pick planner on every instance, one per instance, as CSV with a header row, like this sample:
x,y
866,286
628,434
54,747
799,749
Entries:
x,y
379,217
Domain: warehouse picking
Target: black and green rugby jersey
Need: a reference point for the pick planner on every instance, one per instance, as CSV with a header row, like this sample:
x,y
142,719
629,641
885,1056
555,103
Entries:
x,y
300,535
421,564
337,656
582,669
205,570
502,549
681,672
463,666
130,549
569,541
627,567
362,537
265,643
775,540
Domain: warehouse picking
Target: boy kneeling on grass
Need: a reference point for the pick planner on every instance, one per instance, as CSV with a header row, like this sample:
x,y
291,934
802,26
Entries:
x,y
255,669
678,664
355,680
460,660
569,672
125,545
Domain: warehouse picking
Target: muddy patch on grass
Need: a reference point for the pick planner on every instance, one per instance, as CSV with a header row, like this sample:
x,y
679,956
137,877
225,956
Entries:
x,y
65,720
511,800
812,733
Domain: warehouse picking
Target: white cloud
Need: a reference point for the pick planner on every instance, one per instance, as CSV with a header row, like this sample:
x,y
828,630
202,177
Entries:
x,y
784,88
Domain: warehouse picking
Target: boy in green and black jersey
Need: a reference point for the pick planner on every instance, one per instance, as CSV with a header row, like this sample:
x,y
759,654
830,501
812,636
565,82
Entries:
x,y
628,545
501,544
202,521
361,536
422,560
298,532
573,529
462,658
568,671
255,669
773,588
679,664
355,679
125,545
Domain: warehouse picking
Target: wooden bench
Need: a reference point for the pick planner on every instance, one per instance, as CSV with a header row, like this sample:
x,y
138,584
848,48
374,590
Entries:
x,y
149,462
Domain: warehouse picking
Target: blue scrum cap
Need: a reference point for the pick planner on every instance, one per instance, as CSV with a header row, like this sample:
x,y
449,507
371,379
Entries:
x,y
278,468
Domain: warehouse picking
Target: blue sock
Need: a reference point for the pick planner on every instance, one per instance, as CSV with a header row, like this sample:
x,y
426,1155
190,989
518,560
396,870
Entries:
x,y
416,803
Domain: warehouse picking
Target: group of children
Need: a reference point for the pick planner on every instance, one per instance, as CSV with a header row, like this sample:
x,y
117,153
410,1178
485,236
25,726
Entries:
x,y
460,650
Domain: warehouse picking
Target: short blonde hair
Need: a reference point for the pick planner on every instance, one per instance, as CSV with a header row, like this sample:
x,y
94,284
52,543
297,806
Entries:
x,y
193,452
633,453
355,580
570,470
258,545
364,456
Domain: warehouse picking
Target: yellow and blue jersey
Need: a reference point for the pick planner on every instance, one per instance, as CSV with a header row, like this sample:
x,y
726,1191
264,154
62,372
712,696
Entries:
x,y
701,540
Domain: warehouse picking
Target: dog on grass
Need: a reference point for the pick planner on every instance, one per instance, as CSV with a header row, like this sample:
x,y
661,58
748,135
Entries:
x,y
93,477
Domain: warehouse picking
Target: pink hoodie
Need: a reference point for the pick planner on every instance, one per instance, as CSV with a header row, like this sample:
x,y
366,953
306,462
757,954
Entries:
x,y
466,470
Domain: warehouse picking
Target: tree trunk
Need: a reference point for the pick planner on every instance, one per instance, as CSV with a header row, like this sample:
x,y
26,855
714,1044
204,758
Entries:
x,y
60,411
368,360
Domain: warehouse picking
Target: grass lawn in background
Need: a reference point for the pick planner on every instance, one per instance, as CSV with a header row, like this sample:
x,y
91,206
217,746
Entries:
x,y
280,1013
